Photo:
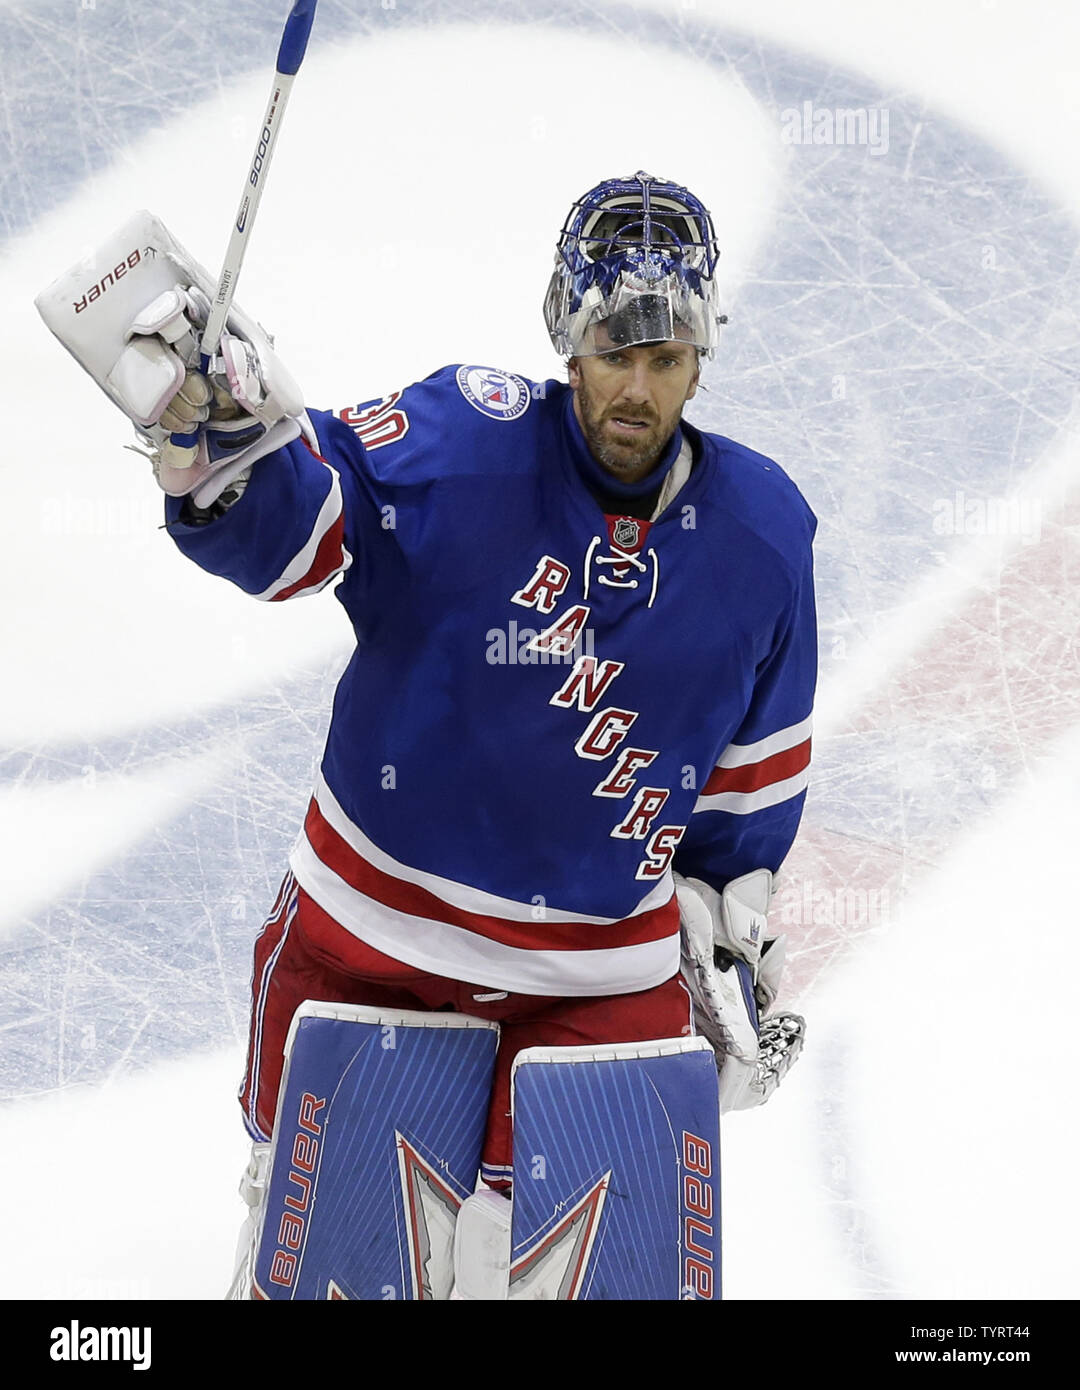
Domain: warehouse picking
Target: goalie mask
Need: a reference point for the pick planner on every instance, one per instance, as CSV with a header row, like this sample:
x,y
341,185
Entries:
x,y
634,264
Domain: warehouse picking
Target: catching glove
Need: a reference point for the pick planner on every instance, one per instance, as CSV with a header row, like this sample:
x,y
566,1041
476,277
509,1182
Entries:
x,y
733,974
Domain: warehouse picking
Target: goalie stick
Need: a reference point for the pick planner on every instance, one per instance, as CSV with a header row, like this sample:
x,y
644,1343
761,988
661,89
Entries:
x,y
291,52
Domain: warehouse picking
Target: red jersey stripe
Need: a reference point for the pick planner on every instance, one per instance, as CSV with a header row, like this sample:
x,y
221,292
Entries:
x,y
328,559
338,856
754,776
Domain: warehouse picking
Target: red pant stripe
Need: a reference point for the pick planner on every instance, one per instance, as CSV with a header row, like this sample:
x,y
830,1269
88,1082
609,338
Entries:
x,y
268,948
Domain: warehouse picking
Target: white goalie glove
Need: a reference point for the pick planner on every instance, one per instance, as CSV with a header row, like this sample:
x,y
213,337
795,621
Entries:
x,y
733,974
131,314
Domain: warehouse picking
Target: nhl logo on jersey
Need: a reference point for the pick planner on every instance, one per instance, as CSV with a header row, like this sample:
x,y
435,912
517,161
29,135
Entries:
x,y
501,395
626,533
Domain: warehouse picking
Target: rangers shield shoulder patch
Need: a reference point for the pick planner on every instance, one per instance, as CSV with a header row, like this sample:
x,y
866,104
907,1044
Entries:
x,y
500,395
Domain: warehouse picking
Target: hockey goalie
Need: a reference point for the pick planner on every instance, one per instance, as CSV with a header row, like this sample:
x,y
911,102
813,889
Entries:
x,y
519,963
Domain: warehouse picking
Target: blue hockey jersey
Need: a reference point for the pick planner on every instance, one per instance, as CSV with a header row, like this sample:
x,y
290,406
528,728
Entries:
x,y
549,708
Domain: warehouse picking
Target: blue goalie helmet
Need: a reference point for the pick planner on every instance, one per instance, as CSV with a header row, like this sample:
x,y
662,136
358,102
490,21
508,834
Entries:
x,y
634,263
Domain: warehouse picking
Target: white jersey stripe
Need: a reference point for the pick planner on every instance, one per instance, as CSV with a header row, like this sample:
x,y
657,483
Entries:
x,y
460,954
740,754
302,561
744,803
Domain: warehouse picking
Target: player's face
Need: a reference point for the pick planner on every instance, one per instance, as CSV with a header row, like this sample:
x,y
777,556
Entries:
x,y
628,402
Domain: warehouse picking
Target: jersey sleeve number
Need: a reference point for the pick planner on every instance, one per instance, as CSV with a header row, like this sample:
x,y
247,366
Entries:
x,y
378,424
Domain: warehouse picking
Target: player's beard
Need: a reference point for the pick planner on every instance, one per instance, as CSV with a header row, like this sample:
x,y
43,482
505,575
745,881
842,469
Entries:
x,y
625,458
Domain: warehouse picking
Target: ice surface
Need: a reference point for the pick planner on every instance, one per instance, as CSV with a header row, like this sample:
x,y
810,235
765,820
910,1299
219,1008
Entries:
x,y
903,339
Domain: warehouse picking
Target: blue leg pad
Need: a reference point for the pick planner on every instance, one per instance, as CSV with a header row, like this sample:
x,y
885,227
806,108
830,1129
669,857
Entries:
x,y
616,1172
377,1142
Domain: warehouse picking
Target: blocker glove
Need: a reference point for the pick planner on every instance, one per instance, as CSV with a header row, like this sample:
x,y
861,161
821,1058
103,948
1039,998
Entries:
x,y
217,424
131,314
